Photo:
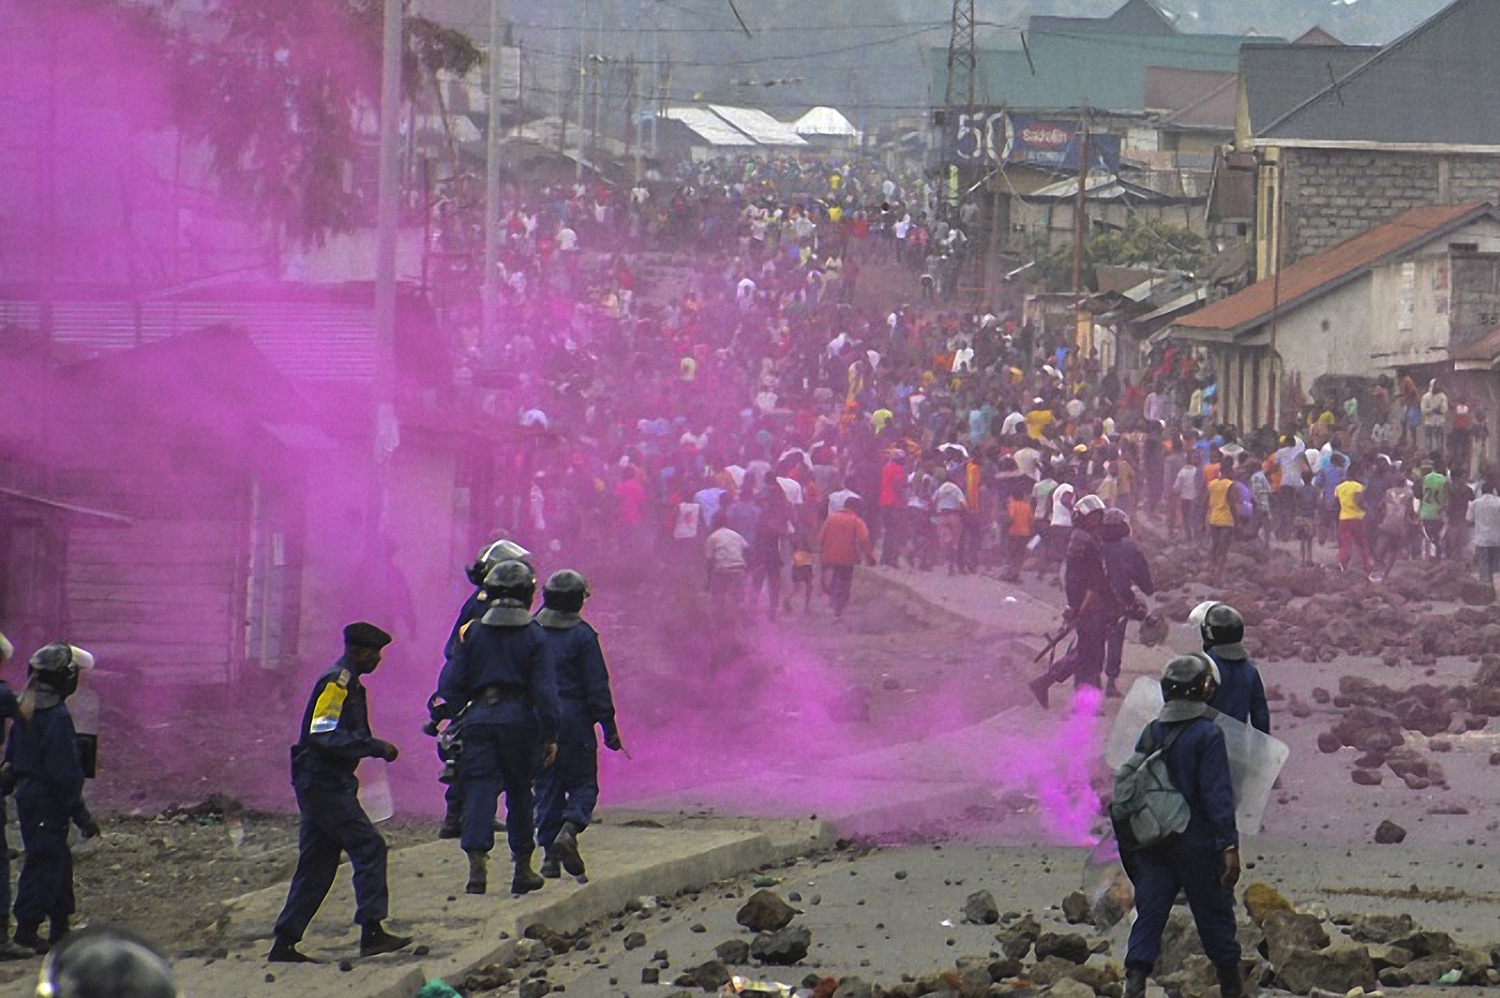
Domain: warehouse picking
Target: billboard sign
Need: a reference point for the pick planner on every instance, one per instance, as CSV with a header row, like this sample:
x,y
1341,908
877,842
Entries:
x,y
984,137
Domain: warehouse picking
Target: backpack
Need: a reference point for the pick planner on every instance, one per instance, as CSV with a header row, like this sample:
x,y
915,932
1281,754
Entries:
x,y
1147,808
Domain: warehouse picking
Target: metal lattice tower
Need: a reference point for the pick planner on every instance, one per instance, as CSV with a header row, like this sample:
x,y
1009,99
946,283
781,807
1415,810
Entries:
x,y
963,59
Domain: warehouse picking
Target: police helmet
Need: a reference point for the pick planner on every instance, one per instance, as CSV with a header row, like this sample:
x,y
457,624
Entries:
x,y
1223,630
106,960
565,591
1089,511
1188,677
492,555
511,580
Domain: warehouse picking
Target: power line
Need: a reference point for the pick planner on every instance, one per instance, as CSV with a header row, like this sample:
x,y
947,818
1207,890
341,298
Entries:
x,y
719,63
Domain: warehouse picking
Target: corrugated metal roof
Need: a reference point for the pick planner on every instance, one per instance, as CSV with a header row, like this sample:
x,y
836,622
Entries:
x,y
1435,84
709,126
1322,272
759,125
1278,77
824,121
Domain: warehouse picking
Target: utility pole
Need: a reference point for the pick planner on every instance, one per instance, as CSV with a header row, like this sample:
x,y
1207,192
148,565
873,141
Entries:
x,y
632,145
583,77
492,165
387,220
1080,208
963,61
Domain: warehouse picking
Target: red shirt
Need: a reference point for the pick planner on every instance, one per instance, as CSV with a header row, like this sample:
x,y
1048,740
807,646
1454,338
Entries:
x,y
892,477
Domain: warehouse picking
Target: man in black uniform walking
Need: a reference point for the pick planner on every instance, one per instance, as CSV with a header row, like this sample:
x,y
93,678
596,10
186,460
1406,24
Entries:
x,y
501,675
335,736
1128,571
1092,605
567,793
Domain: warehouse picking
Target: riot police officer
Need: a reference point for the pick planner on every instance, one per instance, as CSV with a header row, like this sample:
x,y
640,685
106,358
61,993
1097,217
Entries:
x,y
1241,693
1129,572
473,608
567,793
1092,605
1203,860
335,736
49,772
500,673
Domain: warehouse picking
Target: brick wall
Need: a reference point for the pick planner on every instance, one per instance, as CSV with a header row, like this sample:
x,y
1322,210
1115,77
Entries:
x,y
1475,303
1333,194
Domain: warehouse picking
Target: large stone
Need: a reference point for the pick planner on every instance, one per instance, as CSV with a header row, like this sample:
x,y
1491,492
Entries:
x,y
765,911
1475,593
973,974
1339,968
1383,956
1179,940
1262,901
980,909
783,947
1427,969
735,952
1069,946
708,976
1051,969
1069,988
1288,932
1379,928
1427,943
1015,940
854,987
1369,729
1194,979
1389,833
1077,910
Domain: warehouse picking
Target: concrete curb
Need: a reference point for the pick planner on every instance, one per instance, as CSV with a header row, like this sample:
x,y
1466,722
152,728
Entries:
x,y
920,605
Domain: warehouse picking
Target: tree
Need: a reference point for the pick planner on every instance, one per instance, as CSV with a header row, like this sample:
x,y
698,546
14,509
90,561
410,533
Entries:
x,y
278,90
1145,242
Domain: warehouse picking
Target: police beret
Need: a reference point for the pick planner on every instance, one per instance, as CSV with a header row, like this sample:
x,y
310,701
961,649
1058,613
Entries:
x,y
366,635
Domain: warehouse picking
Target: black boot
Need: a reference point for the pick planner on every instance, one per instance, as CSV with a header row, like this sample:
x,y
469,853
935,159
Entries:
x,y
285,951
1039,687
479,872
27,936
452,826
374,940
551,865
566,848
1231,984
526,879
1135,981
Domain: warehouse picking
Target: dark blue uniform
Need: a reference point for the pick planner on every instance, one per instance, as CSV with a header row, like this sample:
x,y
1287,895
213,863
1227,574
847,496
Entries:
x,y
1241,694
503,674
1128,571
43,756
335,736
1095,609
570,789
473,609
1193,861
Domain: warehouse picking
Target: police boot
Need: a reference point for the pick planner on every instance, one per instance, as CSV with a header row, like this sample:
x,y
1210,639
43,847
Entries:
x,y
1039,687
526,879
566,848
1135,981
479,872
551,865
28,937
374,940
1231,984
453,824
1110,689
286,951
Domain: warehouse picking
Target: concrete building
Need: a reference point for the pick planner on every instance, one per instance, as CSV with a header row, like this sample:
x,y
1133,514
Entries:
x,y
1349,137
1410,296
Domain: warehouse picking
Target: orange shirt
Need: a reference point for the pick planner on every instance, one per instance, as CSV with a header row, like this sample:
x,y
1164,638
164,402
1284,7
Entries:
x,y
1020,518
843,540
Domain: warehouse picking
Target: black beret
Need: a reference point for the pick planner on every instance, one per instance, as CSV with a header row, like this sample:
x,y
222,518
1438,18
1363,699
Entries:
x,y
366,635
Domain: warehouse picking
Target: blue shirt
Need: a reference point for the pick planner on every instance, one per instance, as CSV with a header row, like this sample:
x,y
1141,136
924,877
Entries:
x,y
512,660
1241,694
43,753
582,677
335,732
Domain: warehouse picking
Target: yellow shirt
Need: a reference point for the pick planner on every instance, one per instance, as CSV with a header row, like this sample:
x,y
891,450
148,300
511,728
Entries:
x,y
880,417
1347,494
1219,513
1037,421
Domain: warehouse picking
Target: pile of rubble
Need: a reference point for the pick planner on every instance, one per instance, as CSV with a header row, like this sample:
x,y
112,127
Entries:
x,y
1302,950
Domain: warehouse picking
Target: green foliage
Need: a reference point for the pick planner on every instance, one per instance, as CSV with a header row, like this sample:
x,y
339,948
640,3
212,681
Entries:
x,y
1143,243
277,92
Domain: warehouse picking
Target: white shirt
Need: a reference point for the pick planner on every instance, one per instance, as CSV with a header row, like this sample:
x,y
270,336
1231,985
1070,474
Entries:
x,y
837,499
1028,461
1062,514
1011,424
1484,513
948,497
725,549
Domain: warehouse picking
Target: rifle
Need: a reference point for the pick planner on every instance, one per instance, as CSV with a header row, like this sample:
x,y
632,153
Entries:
x,y
1053,641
